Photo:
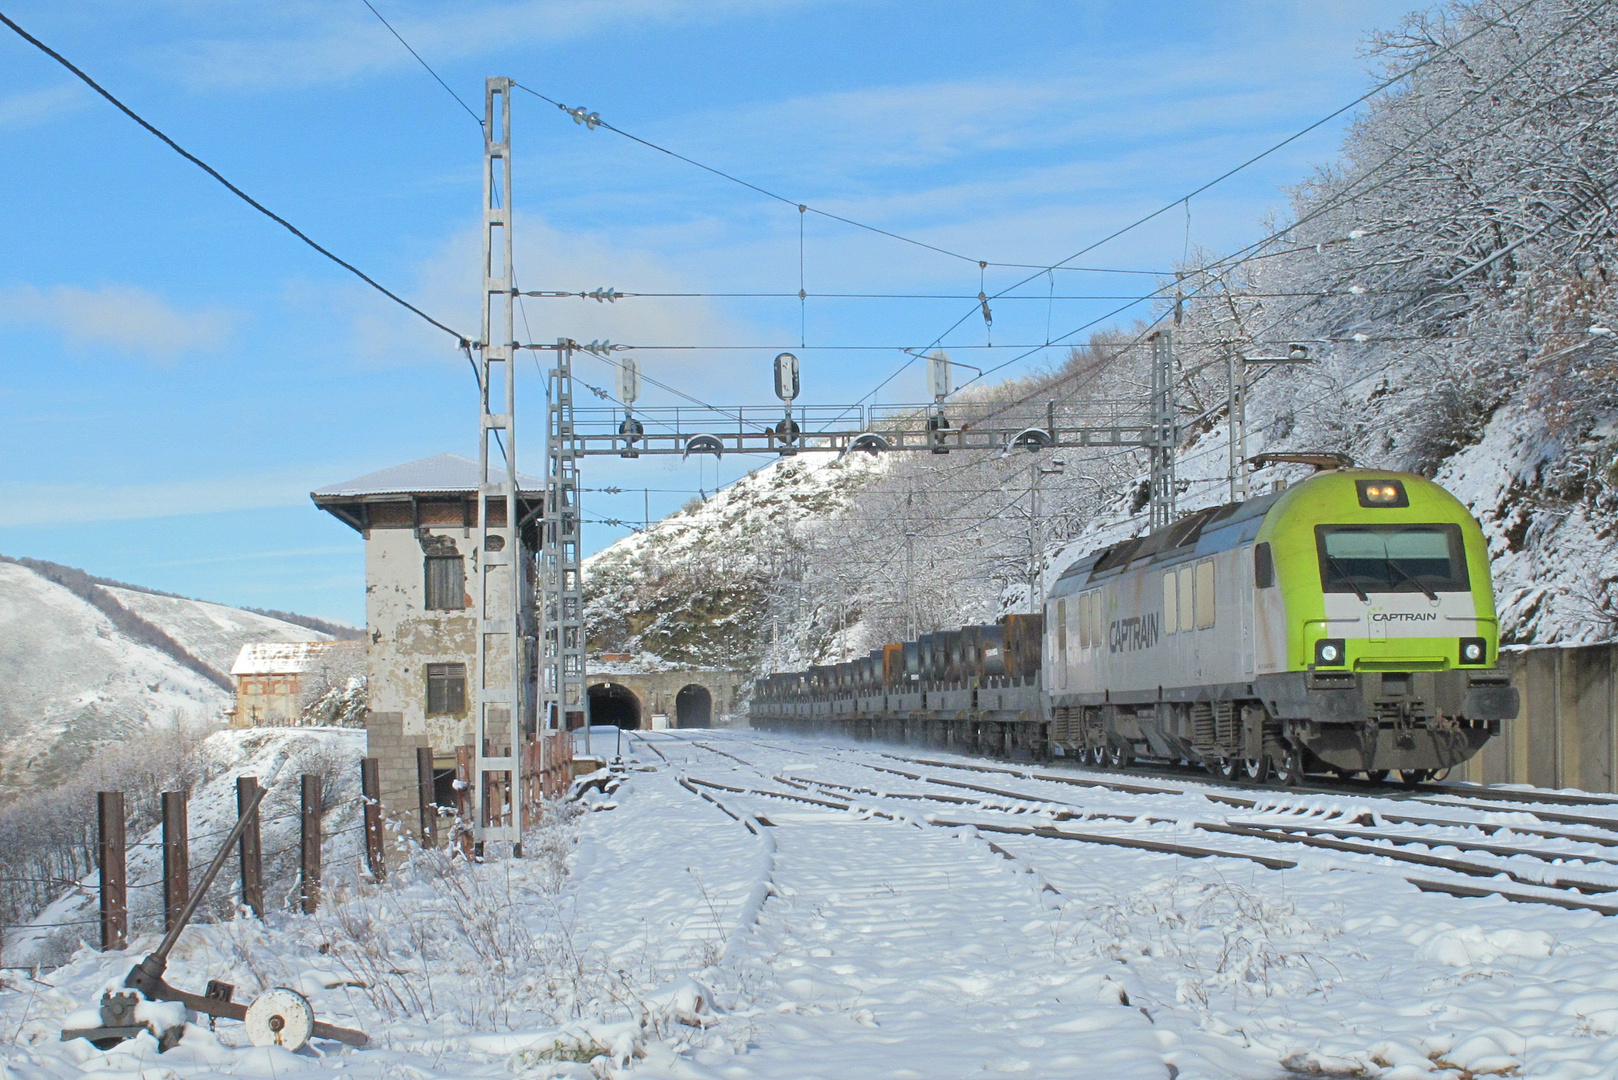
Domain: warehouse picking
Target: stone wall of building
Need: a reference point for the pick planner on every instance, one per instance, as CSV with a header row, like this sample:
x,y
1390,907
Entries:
x,y
403,637
396,765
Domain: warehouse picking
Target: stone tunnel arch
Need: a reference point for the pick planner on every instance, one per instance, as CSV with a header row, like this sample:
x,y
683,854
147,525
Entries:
x,y
612,705
693,707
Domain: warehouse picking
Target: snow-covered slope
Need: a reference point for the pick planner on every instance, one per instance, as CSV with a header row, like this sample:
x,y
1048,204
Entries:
x,y
693,588
333,754
75,678
212,633
72,681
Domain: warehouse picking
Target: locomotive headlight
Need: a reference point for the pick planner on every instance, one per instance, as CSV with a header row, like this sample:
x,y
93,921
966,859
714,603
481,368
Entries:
x,y
1382,493
1330,652
1474,650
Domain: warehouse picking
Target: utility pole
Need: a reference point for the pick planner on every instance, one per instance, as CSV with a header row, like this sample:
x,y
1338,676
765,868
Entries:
x,y
1036,531
1236,413
1165,429
910,576
497,682
562,695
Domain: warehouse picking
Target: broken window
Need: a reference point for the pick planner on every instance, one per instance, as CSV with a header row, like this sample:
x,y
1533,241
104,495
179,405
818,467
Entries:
x,y
446,583
446,689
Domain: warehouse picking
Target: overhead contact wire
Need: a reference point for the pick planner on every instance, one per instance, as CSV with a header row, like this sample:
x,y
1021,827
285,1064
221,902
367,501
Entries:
x,y
232,188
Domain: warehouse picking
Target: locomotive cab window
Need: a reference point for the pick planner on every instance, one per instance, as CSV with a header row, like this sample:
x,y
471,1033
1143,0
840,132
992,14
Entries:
x,y
1171,603
1364,559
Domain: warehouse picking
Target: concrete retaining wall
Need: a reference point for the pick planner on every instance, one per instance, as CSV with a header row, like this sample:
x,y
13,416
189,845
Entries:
x,y
1567,732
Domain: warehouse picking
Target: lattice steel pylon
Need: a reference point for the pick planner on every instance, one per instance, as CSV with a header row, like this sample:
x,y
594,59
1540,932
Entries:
x,y
497,684
562,701
1165,429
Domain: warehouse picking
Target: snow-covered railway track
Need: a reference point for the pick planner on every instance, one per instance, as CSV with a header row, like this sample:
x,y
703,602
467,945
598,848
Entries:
x,y
1390,845
1593,888
1155,884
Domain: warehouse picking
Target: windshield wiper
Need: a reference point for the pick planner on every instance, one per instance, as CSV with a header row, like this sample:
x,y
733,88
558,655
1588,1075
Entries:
x,y
1347,578
1402,572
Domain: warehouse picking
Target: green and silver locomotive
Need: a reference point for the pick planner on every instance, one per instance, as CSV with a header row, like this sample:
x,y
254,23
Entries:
x,y
1346,623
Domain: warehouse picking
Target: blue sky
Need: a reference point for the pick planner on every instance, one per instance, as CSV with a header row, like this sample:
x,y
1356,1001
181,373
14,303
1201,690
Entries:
x,y
178,373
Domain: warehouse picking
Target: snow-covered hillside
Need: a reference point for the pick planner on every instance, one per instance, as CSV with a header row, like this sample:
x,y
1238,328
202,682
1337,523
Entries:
x,y
333,754
73,681
694,589
76,678
213,633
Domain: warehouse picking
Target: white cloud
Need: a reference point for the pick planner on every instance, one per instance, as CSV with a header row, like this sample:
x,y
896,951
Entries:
x,y
121,317
23,504
31,107
323,42
549,259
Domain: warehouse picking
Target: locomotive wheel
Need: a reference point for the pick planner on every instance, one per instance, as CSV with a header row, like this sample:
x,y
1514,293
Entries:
x,y
1376,776
1096,757
1226,768
1118,758
1287,771
1256,770
1412,777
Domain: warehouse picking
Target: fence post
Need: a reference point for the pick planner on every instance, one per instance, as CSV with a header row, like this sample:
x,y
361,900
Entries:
x,y
176,857
371,788
114,882
426,797
251,847
309,848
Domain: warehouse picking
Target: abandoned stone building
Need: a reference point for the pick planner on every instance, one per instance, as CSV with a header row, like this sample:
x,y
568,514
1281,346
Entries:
x,y
419,521
276,680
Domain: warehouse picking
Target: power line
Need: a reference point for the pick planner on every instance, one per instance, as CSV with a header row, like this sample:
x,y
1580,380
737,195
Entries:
x,y
593,120
1347,194
238,192
614,295
424,64
1209,184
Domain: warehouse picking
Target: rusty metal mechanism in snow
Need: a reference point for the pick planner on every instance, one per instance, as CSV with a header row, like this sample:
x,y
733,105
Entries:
x,y
277,1017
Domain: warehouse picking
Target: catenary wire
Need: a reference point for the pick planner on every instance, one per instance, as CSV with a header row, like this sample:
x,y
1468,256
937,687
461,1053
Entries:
x,y
423,63
232,188
1346,195
1405,73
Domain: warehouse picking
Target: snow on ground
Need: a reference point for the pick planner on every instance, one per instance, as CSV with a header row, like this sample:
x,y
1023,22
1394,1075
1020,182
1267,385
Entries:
x,y
686,930
333,754
213,633
72,680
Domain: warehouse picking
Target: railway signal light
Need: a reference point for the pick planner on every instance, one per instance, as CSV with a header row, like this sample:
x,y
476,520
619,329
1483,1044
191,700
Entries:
x,y
786,377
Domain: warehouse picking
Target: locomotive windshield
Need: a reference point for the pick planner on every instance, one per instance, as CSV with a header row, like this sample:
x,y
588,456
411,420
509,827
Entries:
x,y
1392,558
